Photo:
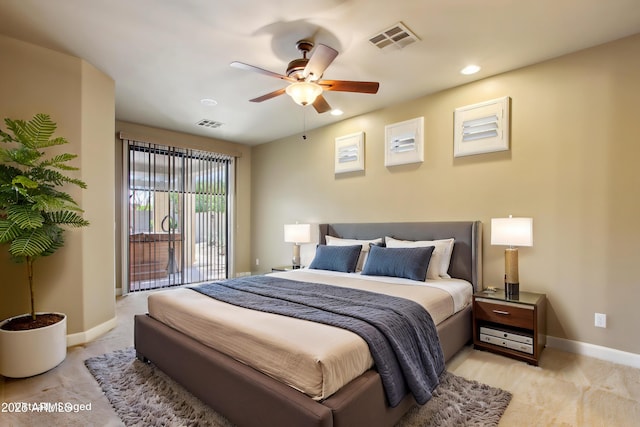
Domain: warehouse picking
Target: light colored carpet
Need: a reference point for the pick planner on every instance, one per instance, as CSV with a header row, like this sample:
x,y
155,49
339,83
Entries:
x,y
142,395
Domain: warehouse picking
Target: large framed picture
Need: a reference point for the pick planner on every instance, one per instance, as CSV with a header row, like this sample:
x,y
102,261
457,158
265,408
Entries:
x,y
349,153
404,142
481,128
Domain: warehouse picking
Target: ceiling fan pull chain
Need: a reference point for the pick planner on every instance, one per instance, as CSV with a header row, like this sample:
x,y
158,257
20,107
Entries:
x,y
304,124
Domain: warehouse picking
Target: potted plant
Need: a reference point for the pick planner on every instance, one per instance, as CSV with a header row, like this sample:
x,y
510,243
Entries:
x,y
33,209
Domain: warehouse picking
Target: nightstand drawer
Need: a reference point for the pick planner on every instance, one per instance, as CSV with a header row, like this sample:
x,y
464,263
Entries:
x,y
504,313
506,334
503,342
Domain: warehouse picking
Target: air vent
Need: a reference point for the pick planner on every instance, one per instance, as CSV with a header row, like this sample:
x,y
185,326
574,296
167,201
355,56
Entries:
x,y
209,124
397,36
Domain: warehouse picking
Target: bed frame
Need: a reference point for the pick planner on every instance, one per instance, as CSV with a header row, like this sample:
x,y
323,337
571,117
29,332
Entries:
x,y
250,398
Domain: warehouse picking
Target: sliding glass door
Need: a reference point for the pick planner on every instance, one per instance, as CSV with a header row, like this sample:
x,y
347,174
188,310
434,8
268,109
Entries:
x,y
178,219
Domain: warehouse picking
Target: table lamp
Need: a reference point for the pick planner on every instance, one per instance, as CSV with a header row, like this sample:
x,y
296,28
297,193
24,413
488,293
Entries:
x,y
296,234
512,232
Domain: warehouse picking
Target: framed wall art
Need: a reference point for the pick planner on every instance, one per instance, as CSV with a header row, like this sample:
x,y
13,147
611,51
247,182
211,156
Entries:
x,y
404,142
481,128
349,153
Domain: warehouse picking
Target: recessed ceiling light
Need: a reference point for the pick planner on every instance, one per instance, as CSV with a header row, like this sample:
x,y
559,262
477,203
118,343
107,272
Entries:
x,y
208,102
336,112
470,69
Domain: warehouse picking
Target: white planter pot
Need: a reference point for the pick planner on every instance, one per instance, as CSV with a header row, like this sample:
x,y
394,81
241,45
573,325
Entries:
x,y
32,352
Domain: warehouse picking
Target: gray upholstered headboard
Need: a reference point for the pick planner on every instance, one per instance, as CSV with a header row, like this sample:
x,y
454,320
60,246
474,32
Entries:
x,y
466,259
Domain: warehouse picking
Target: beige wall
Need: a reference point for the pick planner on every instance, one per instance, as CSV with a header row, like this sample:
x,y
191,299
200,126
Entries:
x,y
79,279
572,167
98,118
241,198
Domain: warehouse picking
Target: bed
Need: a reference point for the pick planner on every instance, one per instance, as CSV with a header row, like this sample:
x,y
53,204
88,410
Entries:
x,y
250,397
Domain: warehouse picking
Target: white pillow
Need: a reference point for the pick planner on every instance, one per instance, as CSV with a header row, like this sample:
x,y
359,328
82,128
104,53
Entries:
x,y
337,241
440,259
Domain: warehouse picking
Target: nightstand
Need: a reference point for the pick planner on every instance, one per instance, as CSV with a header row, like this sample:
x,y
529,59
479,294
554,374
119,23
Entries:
x,y
515,327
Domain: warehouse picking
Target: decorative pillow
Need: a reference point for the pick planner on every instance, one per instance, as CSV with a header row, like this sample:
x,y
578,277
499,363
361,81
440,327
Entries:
x,y
410,263
336,258
439,265
337,241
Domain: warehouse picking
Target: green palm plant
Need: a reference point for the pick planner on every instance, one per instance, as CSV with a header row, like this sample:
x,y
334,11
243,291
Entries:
x,y
33,209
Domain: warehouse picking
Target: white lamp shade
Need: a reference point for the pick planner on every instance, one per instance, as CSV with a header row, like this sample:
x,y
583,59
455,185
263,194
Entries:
x,y
297,233
304,93
512,231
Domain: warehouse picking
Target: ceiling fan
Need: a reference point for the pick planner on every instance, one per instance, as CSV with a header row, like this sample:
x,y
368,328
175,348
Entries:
x,y
304,74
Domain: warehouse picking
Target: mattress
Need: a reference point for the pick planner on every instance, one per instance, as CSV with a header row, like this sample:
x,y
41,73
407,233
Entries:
x,y
313,358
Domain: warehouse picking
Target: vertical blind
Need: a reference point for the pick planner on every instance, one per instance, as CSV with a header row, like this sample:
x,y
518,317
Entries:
x,y
178,217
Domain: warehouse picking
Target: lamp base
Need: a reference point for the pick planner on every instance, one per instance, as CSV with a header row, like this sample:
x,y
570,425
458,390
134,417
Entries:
x,y
295,260
512,290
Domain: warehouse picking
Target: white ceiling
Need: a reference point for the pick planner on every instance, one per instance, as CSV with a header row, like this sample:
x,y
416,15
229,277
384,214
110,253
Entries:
x,y
166,55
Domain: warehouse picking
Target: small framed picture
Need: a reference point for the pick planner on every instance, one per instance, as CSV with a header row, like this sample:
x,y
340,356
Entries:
x,y
481,128
404,142
349,153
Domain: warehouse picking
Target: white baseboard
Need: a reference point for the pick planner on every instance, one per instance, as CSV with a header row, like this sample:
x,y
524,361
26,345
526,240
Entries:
x,y
596,351
91,334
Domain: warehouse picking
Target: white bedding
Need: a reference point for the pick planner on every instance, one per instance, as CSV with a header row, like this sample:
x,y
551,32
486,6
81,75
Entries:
x,y
314,358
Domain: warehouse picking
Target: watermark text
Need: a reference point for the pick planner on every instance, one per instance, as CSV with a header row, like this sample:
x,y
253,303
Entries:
x,y
66,407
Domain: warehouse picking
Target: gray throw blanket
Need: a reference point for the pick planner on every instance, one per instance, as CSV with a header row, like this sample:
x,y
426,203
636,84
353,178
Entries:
x,y
400,333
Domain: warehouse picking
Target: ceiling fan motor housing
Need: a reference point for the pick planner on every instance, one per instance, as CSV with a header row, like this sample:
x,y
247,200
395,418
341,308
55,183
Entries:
x,y
296,67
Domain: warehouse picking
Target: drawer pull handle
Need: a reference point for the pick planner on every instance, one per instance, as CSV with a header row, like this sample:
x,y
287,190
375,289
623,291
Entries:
x,y
504,313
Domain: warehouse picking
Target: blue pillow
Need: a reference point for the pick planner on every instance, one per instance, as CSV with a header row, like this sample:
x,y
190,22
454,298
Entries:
x,y
336,258
409,263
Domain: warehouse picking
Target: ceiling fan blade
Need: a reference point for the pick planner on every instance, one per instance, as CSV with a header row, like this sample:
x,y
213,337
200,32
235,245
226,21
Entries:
x,y
269,95
247,67
349,86
320,59
321,105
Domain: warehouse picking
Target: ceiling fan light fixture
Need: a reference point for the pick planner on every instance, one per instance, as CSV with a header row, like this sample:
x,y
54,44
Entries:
x,y
304,93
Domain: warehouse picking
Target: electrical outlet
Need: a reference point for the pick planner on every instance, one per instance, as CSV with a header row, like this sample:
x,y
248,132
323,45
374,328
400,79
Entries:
x,y
257,261
601,320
